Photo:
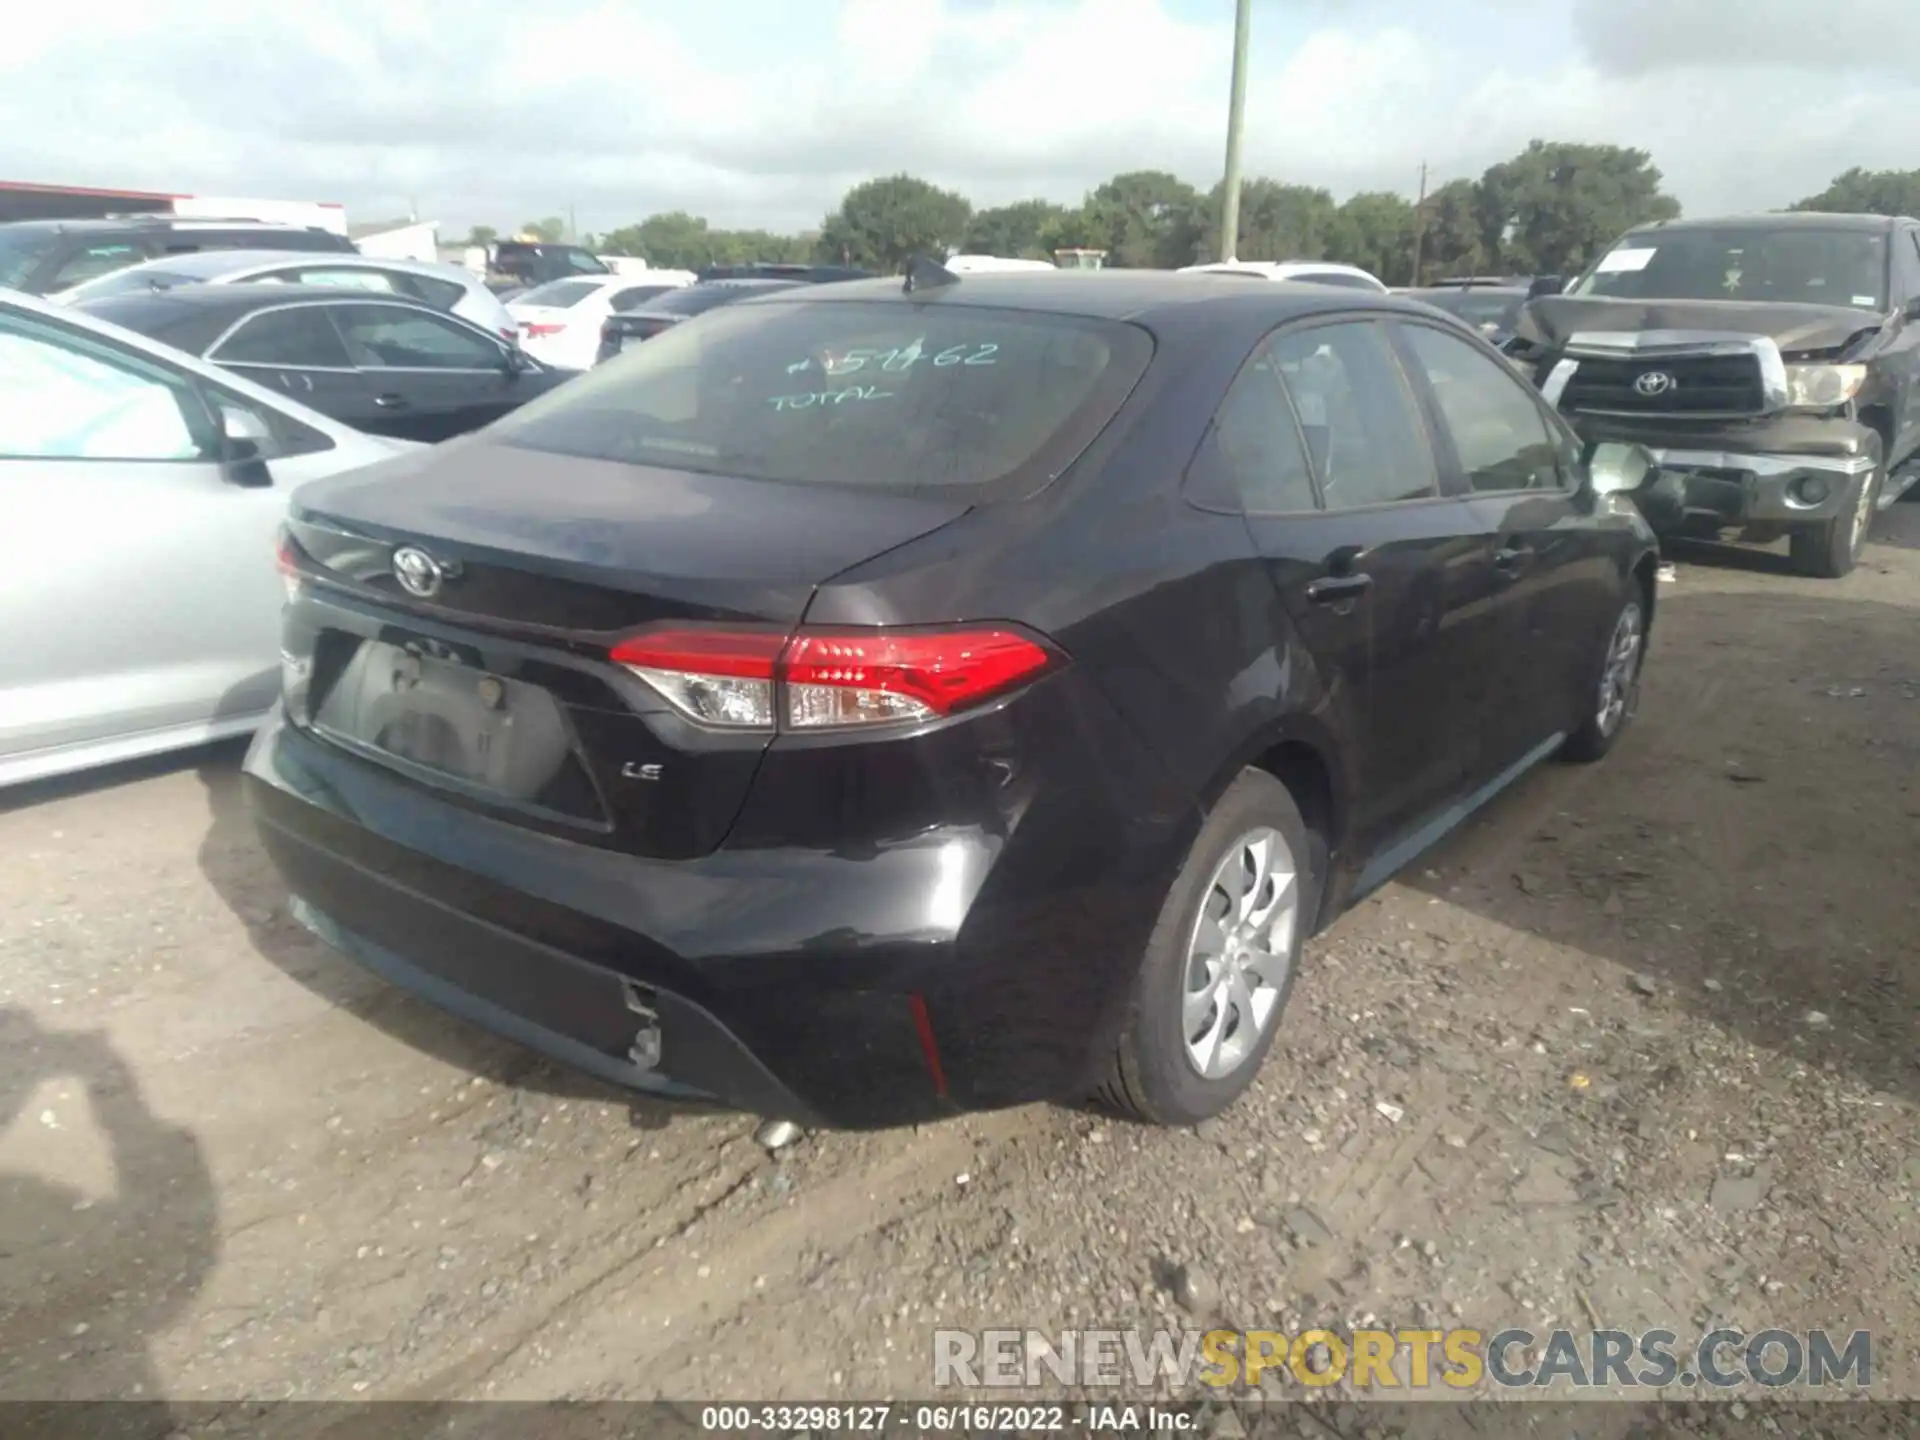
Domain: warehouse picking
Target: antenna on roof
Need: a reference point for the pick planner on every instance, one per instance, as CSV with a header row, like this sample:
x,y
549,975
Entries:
x,y
923,273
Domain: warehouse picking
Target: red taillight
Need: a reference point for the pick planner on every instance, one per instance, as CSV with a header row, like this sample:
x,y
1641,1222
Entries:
x,y
831,679
536,332
288,559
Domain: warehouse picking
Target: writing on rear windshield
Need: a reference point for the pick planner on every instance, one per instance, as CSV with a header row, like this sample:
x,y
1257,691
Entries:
x,y
811,398
896,360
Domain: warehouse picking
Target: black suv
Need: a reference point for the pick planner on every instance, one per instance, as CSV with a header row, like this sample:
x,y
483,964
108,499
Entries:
x,y
42,257
516,265
1770,362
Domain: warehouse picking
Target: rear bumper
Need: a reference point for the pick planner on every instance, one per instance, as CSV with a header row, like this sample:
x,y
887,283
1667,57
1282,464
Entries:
x,y
852,990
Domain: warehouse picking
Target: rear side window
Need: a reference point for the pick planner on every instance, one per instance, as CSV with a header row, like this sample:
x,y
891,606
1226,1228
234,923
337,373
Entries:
x,y
441,294
347,277
1253,451
1361,426
1498,432
302,336
875,394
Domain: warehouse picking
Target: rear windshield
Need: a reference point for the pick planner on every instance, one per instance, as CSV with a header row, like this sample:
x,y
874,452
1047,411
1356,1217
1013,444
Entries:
x,y
1794,264
557,293
875,394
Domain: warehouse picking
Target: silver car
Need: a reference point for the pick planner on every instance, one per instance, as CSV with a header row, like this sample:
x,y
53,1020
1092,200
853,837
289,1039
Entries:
x,y
140,494
444,287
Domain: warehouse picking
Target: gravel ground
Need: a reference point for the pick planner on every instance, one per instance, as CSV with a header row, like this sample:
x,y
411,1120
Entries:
x,y
1637,1047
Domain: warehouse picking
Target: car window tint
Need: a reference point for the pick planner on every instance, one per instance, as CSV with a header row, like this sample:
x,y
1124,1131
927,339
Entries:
x,y
1256,444
95,261
379,337
441,294
559,293
1356,411
66,397
848,393
299,336
1339,281
632,295
1498,432
347,277
582,262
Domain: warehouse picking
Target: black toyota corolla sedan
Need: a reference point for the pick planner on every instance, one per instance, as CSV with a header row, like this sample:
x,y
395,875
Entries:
x,y
886,699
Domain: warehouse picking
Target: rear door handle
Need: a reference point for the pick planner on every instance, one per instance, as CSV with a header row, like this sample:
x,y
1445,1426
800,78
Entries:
x,y
391,402
1332,589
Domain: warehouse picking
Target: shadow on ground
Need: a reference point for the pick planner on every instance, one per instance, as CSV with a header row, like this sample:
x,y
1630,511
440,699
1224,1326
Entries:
x,y
1752,848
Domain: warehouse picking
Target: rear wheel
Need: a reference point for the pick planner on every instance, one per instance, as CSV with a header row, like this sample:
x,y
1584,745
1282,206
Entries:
x,y
1830,551
1220,965
1614,694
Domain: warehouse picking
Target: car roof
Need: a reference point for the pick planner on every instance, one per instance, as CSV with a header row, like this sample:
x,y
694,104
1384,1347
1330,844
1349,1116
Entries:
x,y
96,225
225,262
1779,220
238,299
1163,295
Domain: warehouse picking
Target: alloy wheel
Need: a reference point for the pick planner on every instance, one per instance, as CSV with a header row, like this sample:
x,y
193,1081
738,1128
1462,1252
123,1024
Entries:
x,y
1617,675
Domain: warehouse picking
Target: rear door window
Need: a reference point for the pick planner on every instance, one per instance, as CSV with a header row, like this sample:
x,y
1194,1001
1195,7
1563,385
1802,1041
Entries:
x,y
441,294
1254,452
346,277
876,394
1361,424
385,337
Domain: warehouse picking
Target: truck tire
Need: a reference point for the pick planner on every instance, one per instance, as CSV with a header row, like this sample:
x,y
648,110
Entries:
x,y
1830,551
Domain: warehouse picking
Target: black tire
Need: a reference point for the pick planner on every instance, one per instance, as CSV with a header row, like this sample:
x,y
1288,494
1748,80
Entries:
x,y
1830,551
1151,1077
1594,734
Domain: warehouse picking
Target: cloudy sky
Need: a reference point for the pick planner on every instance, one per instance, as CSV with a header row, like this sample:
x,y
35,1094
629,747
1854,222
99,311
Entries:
x,y
761,112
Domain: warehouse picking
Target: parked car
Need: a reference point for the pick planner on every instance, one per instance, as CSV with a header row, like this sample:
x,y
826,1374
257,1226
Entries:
x,y
663,312
1319,272
42,256
1771,363
1490,309
444,287
517,265
559,322
381,364
985,715
140,491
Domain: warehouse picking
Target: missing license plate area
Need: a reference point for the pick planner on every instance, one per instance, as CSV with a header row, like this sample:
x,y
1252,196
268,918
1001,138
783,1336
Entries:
x,y
491,733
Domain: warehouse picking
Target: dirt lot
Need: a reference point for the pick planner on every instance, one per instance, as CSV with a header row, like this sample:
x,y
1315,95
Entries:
x,y
1637,1047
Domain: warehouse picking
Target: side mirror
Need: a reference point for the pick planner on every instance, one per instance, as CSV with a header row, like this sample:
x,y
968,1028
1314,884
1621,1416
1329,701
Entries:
x,y
243,438
1614,469
1546,285
515,361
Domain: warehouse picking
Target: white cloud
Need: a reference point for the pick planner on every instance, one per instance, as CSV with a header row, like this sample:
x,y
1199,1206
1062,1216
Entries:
x,y
763,111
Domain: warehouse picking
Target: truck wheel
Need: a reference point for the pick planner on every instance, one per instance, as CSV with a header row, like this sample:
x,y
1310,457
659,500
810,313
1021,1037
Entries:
x,y
1830,551
1220,964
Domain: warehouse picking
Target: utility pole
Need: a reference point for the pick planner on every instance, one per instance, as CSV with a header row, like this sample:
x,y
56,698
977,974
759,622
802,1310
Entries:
x,y
1420,225
1236,111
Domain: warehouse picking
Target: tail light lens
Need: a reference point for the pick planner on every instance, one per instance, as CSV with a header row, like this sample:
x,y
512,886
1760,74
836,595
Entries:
x,y
287,557
832,679
536,332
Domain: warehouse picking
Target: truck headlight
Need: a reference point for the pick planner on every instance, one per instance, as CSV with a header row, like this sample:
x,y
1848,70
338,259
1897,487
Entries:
x,y
1821,387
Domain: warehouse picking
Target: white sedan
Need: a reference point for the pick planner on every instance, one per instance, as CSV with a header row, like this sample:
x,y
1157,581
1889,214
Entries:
x,y
560,321
141,492
1318,272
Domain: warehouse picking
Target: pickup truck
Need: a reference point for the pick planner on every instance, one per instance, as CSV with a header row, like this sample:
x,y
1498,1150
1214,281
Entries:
x,y
1770,364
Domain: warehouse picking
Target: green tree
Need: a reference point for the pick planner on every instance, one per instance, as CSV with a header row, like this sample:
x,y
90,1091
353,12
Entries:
x,y
482,235
1014,231
679,241
882,223
1868,192
1374,230
551,229
1453,237
1277,221
1555,205
1144,218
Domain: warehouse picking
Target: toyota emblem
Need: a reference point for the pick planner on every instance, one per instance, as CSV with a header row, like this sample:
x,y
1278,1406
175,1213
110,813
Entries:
x,y
1653,382
419,573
